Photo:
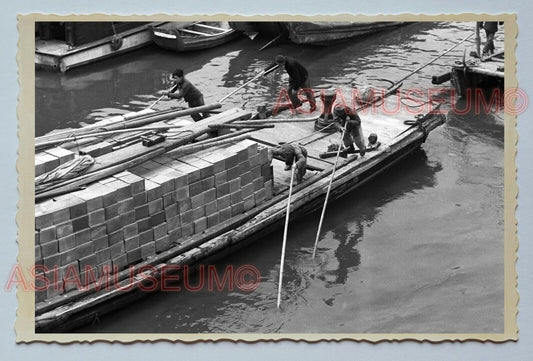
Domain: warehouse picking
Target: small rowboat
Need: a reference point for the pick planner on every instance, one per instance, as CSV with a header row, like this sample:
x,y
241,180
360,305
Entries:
x,y
192,36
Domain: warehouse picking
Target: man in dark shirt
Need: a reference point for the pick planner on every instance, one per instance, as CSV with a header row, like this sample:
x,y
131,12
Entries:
x,y
352,123
298,79
188,92
291,154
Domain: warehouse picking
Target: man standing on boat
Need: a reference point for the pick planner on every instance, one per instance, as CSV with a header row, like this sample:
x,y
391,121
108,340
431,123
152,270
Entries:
x,y
491,27
188,92
291,153
298,79
352,125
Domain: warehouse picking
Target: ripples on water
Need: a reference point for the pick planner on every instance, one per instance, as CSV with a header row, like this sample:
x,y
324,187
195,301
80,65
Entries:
x,y
420,249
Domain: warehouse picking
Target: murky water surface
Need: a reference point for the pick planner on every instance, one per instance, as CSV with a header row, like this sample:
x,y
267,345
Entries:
x,y
419,250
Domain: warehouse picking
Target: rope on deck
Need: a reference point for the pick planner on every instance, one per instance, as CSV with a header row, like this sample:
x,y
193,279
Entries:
x,y
68,170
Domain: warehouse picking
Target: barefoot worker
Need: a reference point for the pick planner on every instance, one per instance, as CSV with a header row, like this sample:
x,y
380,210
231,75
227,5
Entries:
x,y
298,79
291,153
188,92
353,133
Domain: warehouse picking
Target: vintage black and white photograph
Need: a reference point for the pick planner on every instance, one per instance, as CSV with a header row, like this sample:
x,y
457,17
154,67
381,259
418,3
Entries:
x,y
219,177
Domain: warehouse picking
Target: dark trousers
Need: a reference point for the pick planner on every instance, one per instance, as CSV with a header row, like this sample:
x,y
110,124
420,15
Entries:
x,y
198,102
293,93
488,49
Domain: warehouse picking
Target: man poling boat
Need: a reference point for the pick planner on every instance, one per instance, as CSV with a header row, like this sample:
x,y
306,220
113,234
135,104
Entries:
x,y
186,91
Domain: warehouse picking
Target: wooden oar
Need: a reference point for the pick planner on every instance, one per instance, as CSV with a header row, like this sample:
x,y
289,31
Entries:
x,y
285,235
327,193
264,72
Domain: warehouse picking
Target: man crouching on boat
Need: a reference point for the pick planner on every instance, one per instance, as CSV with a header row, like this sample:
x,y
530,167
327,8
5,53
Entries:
x,y
291,153
188,92
353,133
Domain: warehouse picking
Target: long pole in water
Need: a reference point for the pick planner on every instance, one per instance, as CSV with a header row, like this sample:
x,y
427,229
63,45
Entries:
x,y
436,58
285,236
264,72
161,97
327,193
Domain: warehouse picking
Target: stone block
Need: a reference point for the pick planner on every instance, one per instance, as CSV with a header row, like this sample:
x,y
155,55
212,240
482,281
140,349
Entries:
x,y
155,206
148,250
120,262
223,189
49,248
212,219
173,223
162,244
234,185
146,237
113,224
131,243
237,208
134,256
160,230
249,202
96,217
116,237
66,243
200,225
157,218
259,196
64,229
80,223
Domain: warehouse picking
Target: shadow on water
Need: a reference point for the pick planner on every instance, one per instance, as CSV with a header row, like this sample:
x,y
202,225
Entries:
x,y
475,117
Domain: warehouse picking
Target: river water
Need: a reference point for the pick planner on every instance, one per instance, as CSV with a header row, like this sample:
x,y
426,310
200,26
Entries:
x,y
419,250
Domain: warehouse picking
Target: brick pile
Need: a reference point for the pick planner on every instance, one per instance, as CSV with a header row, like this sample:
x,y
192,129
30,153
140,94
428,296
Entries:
x,y
51,158
135,214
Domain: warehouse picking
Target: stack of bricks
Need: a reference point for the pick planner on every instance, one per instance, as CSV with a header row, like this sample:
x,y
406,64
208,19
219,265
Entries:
x,y
132,216
51,159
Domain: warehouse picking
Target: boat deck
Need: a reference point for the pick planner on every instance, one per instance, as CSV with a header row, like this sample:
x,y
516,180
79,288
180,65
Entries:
x,y
374,120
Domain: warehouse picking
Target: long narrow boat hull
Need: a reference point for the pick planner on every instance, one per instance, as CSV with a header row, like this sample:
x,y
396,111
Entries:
x,y
322,33
316,33
153,242
182,37
58,55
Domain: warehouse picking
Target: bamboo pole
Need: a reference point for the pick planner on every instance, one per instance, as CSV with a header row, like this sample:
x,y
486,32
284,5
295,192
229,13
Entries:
x,y
270,42
285,235
241,125
133,121
274,121
162,96
264,72
105,133
192,148
327,193
434,59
